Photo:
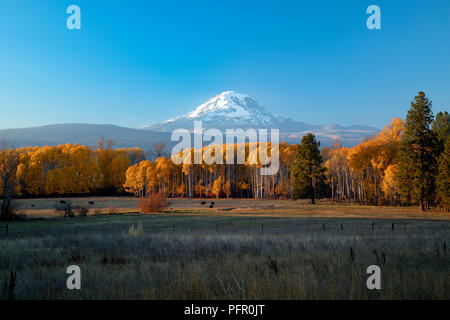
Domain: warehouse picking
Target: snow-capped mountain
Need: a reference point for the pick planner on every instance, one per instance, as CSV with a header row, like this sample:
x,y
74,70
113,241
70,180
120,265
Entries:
x,y
230,106
232,110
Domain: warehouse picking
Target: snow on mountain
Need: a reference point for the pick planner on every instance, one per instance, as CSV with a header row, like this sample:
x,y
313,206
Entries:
x,y
232,110
229,106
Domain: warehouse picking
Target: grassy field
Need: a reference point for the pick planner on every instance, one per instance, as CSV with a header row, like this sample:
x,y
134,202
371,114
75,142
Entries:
x,y
240,249
45,208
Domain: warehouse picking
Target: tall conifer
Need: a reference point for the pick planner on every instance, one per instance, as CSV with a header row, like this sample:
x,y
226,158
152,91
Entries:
x,y
308,171
417,156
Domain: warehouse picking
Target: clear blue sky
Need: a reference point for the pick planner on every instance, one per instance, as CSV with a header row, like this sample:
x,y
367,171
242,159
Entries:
x,y
134,62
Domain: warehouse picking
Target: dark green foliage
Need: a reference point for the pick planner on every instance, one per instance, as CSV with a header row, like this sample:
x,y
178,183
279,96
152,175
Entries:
x,y
418,152
7,209
441,127
443,179
308,173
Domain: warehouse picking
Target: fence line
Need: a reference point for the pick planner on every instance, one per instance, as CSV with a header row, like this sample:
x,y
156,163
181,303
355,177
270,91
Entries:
x,y
267,228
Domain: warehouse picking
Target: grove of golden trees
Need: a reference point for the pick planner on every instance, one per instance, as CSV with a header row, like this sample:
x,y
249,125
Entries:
x,y
67,169
212,180
405,163
366,173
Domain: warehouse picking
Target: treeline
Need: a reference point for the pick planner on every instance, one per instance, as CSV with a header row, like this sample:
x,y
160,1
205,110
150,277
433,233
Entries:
x,y
366,173
213,180
408,162
68,169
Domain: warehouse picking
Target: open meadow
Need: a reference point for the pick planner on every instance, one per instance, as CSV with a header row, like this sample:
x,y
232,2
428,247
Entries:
x,y
239,249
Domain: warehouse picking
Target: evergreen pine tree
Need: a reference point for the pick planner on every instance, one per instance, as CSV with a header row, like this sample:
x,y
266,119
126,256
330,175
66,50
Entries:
x,y
417,156
441,127
443,179
307,170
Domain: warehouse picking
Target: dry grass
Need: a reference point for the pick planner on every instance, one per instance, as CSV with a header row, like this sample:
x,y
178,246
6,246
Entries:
x,y
232,207
287,259
240,249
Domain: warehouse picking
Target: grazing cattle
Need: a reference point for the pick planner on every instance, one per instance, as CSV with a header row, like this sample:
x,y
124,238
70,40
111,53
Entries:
x,y
91,203
62,202
203,202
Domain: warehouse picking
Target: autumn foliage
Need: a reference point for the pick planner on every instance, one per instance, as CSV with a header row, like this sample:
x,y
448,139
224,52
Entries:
x,y
72,169
366,173
212,180
155,202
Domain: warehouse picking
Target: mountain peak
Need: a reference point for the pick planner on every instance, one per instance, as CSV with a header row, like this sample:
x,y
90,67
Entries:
x,y
229,109
228,106
234,110
231,93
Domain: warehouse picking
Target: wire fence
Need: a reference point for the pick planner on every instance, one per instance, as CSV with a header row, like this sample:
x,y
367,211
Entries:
x,y
58,228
